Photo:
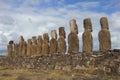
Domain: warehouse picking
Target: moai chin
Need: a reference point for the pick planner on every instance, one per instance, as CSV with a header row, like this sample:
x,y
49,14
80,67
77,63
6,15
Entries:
x,y
104,35
39,45
87,36
29,47
61,44
62,32
10,49
73,41
53,42
73,26
45,45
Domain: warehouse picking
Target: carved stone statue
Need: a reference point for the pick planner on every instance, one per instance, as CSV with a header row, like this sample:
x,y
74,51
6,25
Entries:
x,y
29,47
53,42
39,45
10,49
73,41
34,45
45,45
104,35
87,36
61,41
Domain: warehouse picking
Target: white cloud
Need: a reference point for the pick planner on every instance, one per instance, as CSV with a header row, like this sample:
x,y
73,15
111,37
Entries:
x,y
30,23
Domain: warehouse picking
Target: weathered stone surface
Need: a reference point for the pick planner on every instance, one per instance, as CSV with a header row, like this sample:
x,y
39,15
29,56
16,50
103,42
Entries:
x,y
73,43
62,32
34,45
16,49
61,45
73,26
39,45
46,37
53,46
10,48
29,47
87,36
53,34
22,47
53,42
45,45
104,35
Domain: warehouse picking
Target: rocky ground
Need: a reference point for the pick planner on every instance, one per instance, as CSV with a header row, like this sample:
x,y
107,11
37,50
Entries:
x,y
97,65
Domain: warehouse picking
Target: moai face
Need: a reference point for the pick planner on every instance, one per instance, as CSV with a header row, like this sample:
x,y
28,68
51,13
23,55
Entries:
x,y
104,23
21,39
73,26
34,40
88,25
29,41
53,34
39,38
62,32
46,37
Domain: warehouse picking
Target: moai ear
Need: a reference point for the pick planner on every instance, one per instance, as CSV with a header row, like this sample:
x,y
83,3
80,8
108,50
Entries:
x,y
53,34
104,23
73,26
87,24
62,32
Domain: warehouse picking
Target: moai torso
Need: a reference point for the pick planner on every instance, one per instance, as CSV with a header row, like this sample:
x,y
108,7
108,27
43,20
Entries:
x,y
45,45
39,45
87,36
29,47
104,35
53,42
61,41
73,41
10,49
34,45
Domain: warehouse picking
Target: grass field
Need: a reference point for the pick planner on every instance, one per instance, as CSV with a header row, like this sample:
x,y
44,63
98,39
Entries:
x,y
23,74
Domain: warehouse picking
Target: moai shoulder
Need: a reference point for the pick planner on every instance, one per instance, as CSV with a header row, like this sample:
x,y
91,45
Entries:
x,y
104,35
87,36
53,42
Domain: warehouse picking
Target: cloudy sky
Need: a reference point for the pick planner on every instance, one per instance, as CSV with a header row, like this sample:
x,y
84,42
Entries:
x,y
35,17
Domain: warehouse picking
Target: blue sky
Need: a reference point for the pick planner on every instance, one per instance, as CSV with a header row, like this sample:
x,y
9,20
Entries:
x,y
35,17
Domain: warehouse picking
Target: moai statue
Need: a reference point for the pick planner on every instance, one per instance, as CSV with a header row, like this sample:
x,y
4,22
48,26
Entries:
x,y
53,42
45,45
10,49
61,41
73,41
16,47
87,36
22,47
104,35
34,45
29,47
39,45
